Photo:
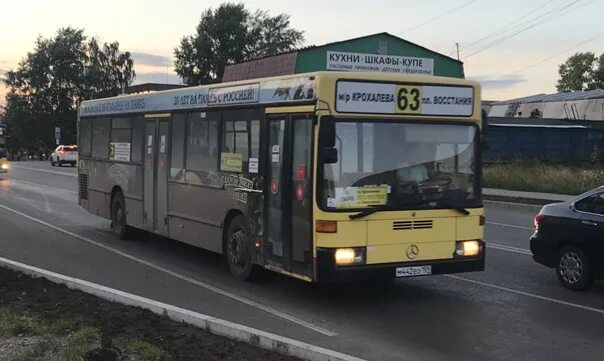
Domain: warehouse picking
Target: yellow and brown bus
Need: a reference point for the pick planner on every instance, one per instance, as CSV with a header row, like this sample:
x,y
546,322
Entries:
x,y
324,176
3,152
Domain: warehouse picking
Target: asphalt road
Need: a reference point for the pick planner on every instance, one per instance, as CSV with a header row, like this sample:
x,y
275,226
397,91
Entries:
x,y
515,310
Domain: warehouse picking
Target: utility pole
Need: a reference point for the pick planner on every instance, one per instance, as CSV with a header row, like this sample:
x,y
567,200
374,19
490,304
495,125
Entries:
x,y
457,46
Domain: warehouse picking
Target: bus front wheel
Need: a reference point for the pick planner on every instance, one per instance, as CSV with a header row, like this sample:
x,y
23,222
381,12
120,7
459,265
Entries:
x,y
118,216
238,250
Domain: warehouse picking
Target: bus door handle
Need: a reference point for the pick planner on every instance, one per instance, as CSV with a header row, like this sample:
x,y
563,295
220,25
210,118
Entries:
x,y
248,190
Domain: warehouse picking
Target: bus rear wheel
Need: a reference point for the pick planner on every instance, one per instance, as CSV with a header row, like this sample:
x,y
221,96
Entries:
x,y
239,251
118,216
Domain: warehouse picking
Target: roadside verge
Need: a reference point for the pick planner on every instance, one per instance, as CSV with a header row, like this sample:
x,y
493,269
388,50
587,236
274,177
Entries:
x,y
213,325
531,201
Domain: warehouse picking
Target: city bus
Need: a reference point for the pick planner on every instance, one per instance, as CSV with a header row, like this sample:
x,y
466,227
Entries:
x,y
3,152
325,177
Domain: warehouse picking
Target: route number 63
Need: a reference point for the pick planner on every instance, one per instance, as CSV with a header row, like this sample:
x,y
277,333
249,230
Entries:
x,y
409,99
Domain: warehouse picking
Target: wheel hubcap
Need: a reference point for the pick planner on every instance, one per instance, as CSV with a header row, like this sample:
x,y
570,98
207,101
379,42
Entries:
x,y
238,250
571,267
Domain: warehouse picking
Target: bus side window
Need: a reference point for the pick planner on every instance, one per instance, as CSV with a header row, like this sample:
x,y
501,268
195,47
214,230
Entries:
x,y
121,130
177,166
85,143
240,141
201,147
138,136
101,130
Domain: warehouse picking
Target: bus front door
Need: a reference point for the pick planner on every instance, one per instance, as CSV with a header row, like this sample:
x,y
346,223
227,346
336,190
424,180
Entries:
x,y
155,216
289,200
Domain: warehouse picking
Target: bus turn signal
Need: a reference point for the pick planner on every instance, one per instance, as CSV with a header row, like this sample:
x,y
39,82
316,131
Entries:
x,y
327,226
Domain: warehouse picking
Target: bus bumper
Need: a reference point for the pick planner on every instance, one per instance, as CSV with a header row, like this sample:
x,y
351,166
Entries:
x,y
327,271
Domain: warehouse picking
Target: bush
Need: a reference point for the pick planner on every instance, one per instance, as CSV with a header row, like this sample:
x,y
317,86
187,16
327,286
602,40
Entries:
x,y
543,177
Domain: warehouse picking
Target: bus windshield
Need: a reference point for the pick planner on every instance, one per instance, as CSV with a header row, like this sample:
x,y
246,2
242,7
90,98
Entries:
x,y
399,165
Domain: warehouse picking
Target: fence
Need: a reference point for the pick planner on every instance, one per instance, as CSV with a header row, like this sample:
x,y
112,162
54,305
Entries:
x,y
509,142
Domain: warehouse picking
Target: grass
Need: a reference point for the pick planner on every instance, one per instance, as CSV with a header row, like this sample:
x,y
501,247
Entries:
x,y
79,343
38,351
144,350
541,177
66,340
13,324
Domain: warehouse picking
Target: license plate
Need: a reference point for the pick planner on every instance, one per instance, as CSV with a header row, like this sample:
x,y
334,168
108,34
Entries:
x,y
413,271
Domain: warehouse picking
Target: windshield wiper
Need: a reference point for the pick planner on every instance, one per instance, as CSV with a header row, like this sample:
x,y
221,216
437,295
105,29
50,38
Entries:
x,y
374,209
369,211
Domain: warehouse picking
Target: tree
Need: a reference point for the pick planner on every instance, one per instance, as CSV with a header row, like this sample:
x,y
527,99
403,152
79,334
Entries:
x,y
598,74
231,34
581,71
49,82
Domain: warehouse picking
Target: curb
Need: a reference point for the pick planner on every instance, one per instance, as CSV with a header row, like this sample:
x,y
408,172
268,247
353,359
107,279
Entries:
x,y
512,205
211,324
538,196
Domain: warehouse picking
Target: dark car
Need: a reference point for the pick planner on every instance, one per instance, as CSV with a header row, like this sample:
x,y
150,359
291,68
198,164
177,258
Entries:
x,y
569,237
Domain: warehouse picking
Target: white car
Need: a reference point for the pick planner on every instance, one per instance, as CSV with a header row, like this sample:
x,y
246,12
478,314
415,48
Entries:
x,y
64,154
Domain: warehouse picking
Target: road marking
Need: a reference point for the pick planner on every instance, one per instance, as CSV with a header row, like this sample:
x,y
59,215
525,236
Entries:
x,y
528,294
18,180
209,287
503,247
510,225
44,171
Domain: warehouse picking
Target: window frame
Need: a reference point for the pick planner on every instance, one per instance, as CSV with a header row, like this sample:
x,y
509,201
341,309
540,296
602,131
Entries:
x,y
247,115
590,199
210,116
109,122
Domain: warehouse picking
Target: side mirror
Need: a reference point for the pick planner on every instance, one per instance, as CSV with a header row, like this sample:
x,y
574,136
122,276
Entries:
x,y
485,130
327,133
328,155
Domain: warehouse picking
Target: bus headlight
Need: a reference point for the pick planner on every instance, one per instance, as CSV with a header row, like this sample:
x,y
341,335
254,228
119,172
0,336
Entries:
x,y
467,248
349,256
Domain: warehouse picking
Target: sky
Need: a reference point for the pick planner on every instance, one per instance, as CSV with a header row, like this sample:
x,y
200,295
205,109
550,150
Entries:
x,y
512,47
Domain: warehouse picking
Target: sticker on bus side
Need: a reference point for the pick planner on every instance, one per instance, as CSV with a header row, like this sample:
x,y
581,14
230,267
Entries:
x,y
119,151
411,99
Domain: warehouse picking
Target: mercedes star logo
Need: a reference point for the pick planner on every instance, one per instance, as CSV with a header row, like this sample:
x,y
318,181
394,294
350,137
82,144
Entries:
x,y
412,251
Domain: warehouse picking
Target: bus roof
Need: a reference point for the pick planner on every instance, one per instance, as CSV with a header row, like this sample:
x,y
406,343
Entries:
x,y
283,90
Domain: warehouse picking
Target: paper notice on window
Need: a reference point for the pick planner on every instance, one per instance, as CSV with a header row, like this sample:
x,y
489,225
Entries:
x,y
119,151
231,162
359,197
253,165
162,144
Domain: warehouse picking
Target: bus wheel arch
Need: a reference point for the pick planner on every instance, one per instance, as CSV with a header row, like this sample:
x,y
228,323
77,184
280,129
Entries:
x,y
237,247
118,214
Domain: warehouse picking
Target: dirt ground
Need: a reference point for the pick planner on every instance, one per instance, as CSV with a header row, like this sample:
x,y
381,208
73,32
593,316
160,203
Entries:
x,y
46,300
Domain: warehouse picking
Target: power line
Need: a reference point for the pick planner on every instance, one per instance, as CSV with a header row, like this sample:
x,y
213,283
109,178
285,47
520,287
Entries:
x,y
557,54
524,26
510,25
467,3
552,14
